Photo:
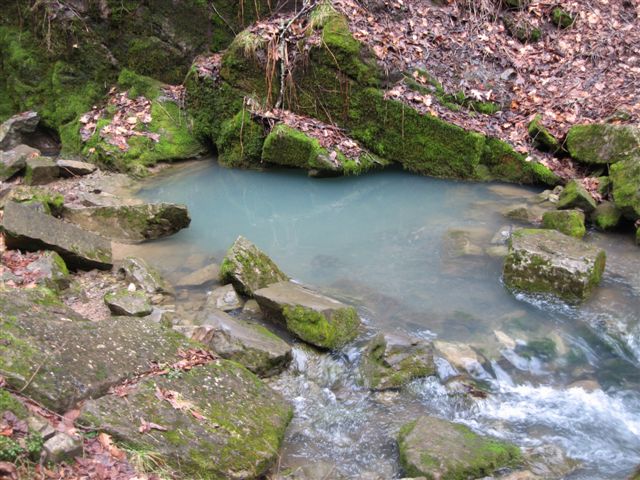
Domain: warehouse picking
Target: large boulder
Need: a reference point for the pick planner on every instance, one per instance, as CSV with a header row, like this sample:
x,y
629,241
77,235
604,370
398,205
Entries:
x,y
547,261
625,177
249,344
215,421
314,318
13,131
392,360
569,222
14,160
603,143
131,223
575,195
248,268
59,358
436,448
27,229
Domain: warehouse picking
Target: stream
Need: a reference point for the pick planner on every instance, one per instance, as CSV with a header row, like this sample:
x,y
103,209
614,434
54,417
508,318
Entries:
x,y
381,242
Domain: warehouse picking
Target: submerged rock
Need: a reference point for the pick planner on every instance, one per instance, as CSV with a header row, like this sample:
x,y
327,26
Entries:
x,y
391,361
569,222
224,298
13,131
461,243
603,143
59,358
14,160
137,270
547,261
202,276
249,344
128,304
314,318
437,448
40,171
575,195
248,268
28,229
229,423
131,223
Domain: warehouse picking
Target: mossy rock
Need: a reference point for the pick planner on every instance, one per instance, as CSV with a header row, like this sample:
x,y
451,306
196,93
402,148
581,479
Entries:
x,y
435,448
569,222
521,28
232,424
603,143
625,179
549,262
561,18
240,141
575,195
314,318
248,268
606,216
390,361
128,304
541,137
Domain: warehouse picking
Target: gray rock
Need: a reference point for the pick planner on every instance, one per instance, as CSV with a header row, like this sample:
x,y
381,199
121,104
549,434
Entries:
x,y
75,168
524,213
224,298
41,426
138,271
575,195
547,261
14,160
28,229
68,358
390,361
231,424
248,268
249,344
131,223
252,309
52,269
202,276
549,461
62,447
128,304
437,448
314,318
13,130
40,171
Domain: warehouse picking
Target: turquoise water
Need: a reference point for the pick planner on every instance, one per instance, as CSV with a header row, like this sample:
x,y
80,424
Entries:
x,y
380,242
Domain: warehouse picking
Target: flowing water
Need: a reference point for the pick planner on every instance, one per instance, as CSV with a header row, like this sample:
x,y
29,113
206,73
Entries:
x,y
383,242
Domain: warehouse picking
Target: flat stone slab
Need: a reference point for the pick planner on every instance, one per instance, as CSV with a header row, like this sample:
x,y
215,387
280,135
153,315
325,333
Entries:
x,y
436,448
128,304
547,261
131,223
63,358
202,276
75,168
28,229
222,421
312,317
249,344
40,171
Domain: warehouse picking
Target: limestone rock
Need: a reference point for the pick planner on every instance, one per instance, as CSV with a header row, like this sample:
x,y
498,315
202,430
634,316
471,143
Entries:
x,y
248,268
393,360
232,424
53,272
249,344
461,243
62,447
625,178
437,448
68,358
569,222
606,216
603,143
131,223
13,130
459,355
128,304
224,298
40,171
28,229
252,309
575,195
14,160
75,168
547,261
202,276
138,271
314,318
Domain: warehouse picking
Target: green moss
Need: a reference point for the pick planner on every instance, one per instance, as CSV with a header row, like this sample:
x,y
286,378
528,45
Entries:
x,y
606,216
290,147
561,18
240,141
544,349
9,403
542,138
575,195
331,332
603,143
569,222
139,85
625,177
504,163
521,29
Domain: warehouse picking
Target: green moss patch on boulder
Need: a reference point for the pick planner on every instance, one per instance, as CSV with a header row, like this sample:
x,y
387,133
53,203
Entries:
x,y
391,361
549,262
541,137
569,222
561,18
575,195
248,268
314,318
606,216
231,424
603,143
625,178
434,448
240,141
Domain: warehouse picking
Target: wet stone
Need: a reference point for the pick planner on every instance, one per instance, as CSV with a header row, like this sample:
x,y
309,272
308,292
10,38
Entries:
x,y
138,271
202,276
224,298
128,304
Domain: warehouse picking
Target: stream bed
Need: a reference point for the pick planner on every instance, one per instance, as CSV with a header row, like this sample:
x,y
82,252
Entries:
x,y
383,243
